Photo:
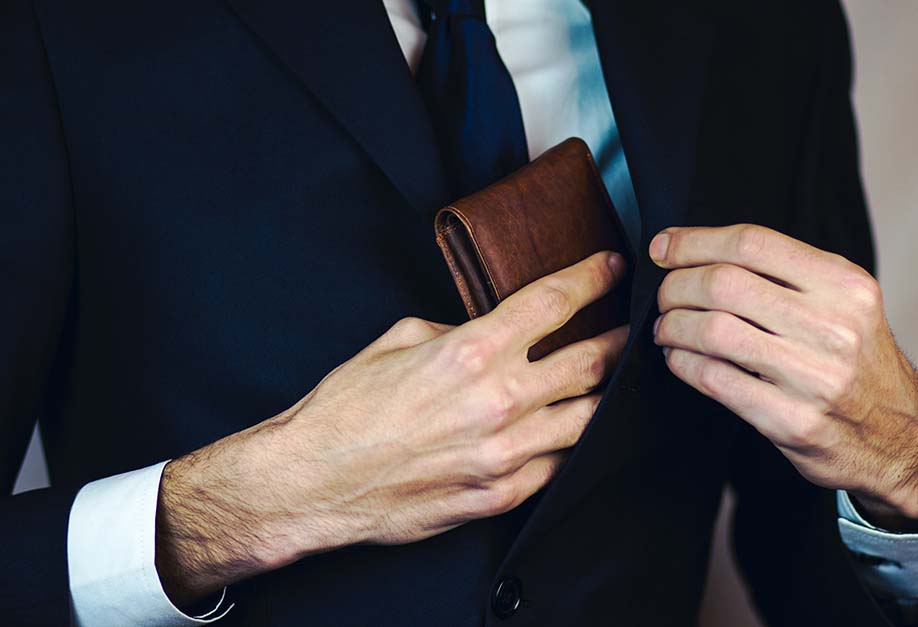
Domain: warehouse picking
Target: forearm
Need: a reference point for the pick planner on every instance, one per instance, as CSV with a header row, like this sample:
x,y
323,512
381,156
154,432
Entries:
x,y
199,530
221,516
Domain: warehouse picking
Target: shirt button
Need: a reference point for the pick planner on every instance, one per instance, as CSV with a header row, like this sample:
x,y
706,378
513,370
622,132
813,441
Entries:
x,y
506,598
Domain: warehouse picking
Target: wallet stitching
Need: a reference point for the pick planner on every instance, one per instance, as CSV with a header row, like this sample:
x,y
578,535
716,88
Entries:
x,y
457,275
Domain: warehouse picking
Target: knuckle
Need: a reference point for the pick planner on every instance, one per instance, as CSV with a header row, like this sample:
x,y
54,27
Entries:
x,y
670,329
601,275
835,383
710,377
502,406
862,289
496,458
554,301
809,432
498,499
837,262
750,242
840,337
468,355
590,366
411,328
723,282
717,330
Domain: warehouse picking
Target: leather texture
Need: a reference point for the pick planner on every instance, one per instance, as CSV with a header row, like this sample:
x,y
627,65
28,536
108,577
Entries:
x,y
546,216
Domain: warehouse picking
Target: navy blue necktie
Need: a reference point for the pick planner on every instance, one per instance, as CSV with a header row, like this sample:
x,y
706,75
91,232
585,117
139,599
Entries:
x,y
470,96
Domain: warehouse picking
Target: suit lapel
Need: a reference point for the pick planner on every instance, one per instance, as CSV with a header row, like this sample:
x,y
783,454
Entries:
x,y
654,55
348,56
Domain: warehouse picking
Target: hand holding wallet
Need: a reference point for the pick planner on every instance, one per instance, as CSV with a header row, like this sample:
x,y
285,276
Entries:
x,y
546,216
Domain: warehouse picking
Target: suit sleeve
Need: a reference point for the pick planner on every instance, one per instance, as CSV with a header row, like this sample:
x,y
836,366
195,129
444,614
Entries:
x,y
36,276
785,529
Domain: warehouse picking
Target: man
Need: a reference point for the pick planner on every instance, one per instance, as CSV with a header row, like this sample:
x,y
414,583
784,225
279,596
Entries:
x,y
219,213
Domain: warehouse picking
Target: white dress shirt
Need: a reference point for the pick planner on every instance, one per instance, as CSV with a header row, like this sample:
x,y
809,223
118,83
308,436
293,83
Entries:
x,y
891,567
111,556
549,48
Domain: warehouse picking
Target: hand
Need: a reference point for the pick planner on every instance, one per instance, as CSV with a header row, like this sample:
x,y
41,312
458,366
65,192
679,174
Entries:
x,y
795,341
427,428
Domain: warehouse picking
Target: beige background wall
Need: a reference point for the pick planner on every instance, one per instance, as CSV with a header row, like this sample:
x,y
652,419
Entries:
x,y
886,51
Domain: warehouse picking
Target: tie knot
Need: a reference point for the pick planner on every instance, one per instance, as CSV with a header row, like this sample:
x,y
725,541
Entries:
x,y
446,8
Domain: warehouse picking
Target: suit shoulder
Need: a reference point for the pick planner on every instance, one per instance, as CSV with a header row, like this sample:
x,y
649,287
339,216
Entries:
x,y
812,20
788,36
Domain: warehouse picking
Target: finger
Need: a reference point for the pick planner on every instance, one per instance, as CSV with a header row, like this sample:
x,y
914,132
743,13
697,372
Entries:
x,y
509,493
492,498
756,248
547,304
577,368
724,336
733,289
550,429
760,403
797,369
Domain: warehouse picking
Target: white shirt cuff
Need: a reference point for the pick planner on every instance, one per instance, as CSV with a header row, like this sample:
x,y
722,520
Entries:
x,y
887,562
111,543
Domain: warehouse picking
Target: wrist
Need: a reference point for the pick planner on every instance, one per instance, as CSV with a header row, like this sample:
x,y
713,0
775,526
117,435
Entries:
x,y
242,506
892,502
197,553
210,532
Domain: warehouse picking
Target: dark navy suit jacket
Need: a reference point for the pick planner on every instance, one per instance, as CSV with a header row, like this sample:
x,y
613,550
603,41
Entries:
x,y
207,205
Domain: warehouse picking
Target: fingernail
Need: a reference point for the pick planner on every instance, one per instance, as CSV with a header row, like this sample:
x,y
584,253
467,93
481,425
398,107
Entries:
x,y
616,262
656,324
658,246
666,351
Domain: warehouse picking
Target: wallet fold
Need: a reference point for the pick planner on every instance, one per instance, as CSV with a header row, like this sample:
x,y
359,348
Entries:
x,y
549,214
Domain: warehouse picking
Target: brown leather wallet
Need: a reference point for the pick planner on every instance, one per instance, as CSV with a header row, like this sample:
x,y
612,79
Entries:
x,y
546,216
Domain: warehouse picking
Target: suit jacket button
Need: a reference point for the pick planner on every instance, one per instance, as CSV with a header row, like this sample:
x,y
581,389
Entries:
x,y
506,598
